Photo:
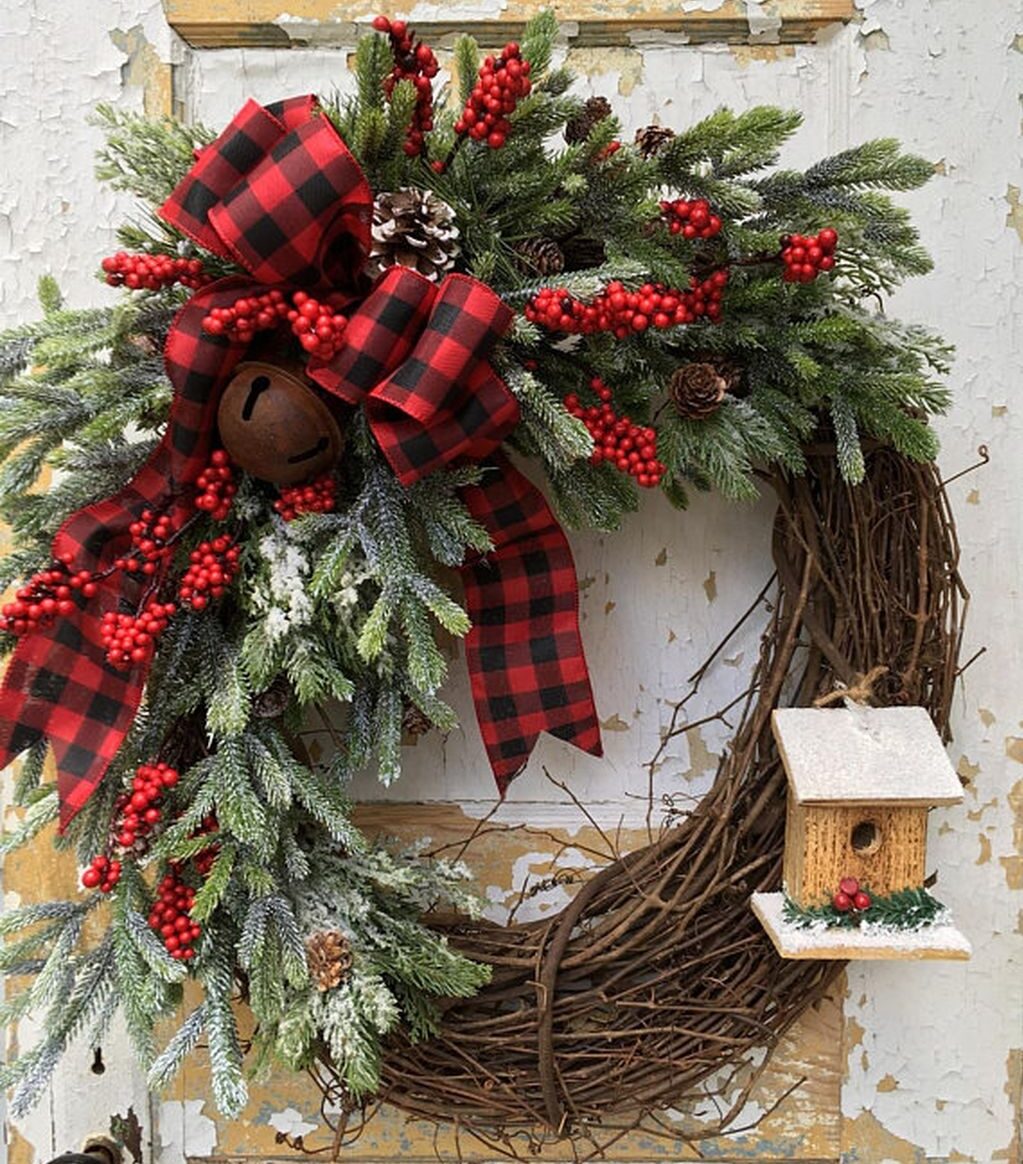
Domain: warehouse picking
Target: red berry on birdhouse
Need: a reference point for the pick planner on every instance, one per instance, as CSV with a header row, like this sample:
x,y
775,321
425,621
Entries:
x,y
842,902
849,886
862,901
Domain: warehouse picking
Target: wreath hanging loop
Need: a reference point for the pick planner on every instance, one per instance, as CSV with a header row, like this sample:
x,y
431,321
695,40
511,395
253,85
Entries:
x,y
860,691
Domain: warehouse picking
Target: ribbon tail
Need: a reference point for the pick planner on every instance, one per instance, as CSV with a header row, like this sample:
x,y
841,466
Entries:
x,y
524,651
59,685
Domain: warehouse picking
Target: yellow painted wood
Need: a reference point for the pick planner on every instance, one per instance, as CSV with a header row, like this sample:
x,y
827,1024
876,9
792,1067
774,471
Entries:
x,y
296,23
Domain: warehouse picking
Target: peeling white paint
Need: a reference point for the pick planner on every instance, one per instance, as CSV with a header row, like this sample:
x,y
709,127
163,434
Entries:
x,y
291,1123
185,1132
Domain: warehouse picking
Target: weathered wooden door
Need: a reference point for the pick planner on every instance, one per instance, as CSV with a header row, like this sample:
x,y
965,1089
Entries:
x,y
903,1062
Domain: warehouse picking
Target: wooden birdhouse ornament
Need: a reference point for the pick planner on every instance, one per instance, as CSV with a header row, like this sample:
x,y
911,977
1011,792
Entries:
x,y
861,781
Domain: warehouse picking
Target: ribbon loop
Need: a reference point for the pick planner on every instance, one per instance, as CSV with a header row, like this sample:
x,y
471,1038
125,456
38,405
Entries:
x,y
379,336
281,196
418,356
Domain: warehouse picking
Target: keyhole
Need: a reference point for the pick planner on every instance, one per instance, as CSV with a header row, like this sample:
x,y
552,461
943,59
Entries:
x,y
866,838
256,389
98,1066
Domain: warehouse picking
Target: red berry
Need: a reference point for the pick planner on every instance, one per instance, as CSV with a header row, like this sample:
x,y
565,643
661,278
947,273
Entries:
x,y
91,878
849,886
842,902
861,901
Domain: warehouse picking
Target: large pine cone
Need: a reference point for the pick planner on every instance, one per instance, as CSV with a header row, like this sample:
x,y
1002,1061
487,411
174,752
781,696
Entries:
x,y
651,139
413,228
329,957
697,391
541,256
577,129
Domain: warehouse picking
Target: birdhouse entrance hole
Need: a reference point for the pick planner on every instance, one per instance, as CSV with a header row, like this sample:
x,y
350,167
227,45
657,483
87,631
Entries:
x,y
865,838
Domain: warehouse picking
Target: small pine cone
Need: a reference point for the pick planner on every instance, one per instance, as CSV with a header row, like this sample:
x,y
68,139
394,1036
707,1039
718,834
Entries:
x,y
415,722
727,369
329,957
651,139
273,702
541,256
413,228
581,253
697,391
577,130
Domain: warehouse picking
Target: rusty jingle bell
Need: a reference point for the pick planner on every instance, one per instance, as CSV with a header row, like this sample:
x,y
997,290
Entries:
x,y
275,425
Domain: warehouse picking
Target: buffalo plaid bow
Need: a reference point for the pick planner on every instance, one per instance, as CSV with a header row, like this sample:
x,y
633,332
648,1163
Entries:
x,y
280,194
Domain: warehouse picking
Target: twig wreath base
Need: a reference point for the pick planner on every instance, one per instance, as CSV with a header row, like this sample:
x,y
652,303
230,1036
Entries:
x,y
656,981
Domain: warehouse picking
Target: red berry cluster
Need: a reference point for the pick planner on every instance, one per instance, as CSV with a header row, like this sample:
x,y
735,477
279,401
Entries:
x,y
150,536
216,486
130,638
45,596
211,569
169,915
416,63
318,326
102,873
851,896
314,497
320,329
140,809
805,256
690,219
501,84
203,861
622,311
616,439
247,315
151,272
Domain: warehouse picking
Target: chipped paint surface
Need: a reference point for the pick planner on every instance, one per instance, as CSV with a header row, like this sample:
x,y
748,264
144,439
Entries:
x,y
904,1063
301,23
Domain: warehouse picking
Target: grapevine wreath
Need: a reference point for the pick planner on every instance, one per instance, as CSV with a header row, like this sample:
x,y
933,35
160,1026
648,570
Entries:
x,y
281,467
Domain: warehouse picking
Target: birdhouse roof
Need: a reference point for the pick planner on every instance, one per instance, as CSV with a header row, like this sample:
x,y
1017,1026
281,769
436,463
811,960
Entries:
x,y
858,755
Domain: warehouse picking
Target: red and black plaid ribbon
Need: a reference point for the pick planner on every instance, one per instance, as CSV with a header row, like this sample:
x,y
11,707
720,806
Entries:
x,y
416,356
280,193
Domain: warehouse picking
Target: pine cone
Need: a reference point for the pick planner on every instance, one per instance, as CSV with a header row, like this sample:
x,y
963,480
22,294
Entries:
x,y
577,129
541,256
651,139
413,228
697,391
329,958
415,722
582,253
273,702
727,369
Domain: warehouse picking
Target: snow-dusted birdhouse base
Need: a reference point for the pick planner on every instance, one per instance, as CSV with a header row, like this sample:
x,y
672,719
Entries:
x,y
868,941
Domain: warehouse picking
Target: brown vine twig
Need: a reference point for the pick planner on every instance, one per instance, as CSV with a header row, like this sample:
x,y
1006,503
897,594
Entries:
x,y
653,987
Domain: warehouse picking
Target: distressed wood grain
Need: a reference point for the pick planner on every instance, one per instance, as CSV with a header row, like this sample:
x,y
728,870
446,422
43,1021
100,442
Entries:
x,y
278,24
